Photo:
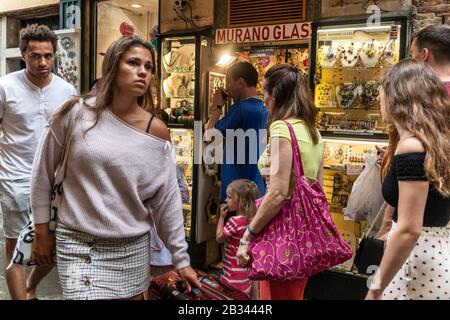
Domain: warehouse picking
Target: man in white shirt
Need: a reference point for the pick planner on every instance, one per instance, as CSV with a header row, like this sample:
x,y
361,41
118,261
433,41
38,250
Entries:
x,y
27,99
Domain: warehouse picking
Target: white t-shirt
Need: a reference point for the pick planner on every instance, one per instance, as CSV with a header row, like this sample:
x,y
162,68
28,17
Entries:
x,y
25,109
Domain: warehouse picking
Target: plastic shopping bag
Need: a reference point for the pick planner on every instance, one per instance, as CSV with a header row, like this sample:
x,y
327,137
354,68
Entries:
x,y
366,199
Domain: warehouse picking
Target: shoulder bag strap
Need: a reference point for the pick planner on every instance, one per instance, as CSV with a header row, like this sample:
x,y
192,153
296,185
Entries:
x,y
298,167
375,219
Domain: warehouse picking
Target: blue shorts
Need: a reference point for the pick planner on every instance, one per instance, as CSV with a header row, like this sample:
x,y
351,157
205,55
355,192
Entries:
x,y
15,206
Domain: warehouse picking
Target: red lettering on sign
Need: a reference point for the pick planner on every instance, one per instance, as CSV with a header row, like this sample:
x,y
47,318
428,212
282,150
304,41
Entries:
x,y
265,33
305,31
295,33
247,35
238,35
221,36
277,32
285,36
230,35
256,34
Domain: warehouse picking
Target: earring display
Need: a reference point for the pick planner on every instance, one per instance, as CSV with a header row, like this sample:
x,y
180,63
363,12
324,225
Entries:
x,y
350,65
390,53
324,94
370,92
346,94
349,54
370,53
328,55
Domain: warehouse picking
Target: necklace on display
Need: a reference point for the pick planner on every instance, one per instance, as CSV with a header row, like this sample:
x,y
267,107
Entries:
x,y
172,59
349,55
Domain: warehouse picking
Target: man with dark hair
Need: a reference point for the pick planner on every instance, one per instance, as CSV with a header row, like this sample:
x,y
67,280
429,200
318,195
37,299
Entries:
x,y
432,45
248,114
27,99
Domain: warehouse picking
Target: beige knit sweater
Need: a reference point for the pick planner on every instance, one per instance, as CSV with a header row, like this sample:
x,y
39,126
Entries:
x,y
119,181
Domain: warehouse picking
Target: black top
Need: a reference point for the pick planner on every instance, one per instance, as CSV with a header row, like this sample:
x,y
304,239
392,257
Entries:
x,y
410,166
149,123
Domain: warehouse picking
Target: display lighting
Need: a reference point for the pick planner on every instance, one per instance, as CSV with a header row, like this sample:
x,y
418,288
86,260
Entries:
x,y
225,60
387,27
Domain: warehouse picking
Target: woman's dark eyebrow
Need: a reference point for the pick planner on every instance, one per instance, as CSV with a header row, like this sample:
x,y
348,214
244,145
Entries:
x,y
139,59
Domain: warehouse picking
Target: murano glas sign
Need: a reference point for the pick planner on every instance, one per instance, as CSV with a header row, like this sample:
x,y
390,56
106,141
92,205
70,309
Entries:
x,y
279,32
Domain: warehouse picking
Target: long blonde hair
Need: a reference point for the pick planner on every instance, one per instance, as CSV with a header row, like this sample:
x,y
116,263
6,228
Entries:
x,y
417,101
247,192
105,85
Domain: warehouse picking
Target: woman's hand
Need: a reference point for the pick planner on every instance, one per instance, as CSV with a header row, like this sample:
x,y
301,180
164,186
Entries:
x,y
190,277
43,246
374,295
242,254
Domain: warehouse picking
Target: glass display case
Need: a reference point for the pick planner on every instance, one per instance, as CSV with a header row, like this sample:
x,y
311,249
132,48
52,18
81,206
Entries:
x,y
349,64
178,80
178,65
263,58
184,73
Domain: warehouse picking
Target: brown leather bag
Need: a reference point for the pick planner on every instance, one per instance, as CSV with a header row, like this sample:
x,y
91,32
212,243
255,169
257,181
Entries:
x,y
169,286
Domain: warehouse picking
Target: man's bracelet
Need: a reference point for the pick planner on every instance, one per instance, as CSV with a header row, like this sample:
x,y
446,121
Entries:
x,y
250,230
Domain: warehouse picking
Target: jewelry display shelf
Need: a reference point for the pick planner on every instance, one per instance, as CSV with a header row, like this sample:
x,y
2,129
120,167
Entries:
x,y
354,134
352,108
180,125
181,72
186,97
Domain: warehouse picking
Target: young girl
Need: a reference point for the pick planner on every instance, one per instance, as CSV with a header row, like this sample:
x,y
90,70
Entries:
x,y
241,196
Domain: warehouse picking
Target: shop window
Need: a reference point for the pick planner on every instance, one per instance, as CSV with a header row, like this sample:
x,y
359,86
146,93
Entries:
x,y
120,17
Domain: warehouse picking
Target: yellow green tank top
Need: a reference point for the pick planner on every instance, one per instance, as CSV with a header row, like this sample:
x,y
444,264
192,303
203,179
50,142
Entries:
x,y
311,154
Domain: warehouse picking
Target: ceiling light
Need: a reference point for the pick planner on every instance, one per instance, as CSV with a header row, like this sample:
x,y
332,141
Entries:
x,y
135,5
225,60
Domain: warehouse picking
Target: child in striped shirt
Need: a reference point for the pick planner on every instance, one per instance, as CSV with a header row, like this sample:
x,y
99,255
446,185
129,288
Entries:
x,y
241,196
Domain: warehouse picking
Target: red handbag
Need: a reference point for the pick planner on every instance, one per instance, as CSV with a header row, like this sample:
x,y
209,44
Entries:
x,y
170,286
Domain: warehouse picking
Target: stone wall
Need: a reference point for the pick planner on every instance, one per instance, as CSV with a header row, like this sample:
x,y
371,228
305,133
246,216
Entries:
x,y
336,8
428,12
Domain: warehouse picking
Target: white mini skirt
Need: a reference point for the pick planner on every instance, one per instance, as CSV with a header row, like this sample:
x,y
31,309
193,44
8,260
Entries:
x,y
96,268
426,273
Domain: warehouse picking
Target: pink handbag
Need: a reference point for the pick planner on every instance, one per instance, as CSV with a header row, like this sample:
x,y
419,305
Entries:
x,y
302,239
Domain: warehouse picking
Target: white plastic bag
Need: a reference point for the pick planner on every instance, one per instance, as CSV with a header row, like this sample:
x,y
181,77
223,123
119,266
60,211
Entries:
x,y
366,199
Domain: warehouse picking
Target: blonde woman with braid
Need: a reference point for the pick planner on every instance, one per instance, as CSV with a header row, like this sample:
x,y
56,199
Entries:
x,y
416,183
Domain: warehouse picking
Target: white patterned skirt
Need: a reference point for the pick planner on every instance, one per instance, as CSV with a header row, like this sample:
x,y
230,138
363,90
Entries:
x,y
96,268
426,273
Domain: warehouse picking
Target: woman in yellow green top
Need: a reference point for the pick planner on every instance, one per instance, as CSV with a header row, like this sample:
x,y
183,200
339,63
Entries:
x,y
288,98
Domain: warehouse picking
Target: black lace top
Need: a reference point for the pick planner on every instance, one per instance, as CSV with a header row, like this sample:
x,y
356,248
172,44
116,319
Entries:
x,y
410,166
